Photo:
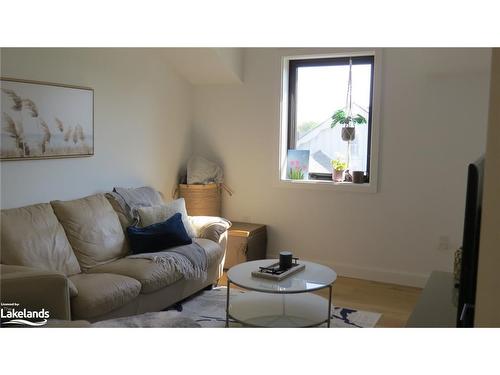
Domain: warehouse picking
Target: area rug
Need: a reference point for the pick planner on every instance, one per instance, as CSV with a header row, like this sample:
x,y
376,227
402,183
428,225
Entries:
x,y
208,309
162,319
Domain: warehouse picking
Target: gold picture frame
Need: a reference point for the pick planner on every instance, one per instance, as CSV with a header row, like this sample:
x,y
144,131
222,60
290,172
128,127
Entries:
x,y
45,120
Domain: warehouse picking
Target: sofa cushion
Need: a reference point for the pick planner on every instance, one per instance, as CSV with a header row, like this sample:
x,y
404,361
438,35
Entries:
x,y
31,236
116,201
73,291
154,276
151,275
93,229
101,293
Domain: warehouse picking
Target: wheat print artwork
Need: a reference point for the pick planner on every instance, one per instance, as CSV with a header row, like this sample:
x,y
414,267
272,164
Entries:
x,y
43,120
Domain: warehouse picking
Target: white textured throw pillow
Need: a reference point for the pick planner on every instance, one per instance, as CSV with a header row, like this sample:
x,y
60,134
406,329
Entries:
x,y
157,214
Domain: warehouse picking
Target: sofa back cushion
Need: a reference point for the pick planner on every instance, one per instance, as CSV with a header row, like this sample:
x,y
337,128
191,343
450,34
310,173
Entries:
x,y
32,236
116,201
93,229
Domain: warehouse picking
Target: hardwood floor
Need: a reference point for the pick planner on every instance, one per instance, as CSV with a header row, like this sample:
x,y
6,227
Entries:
x,y
394,302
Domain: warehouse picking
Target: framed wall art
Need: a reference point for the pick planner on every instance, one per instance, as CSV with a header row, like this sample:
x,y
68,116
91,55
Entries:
x,y
42,120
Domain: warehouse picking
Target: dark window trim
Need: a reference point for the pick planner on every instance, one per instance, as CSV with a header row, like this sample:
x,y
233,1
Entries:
x,y
327,61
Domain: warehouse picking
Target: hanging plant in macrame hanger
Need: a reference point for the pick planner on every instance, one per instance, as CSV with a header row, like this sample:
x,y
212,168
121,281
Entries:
x,y
345,117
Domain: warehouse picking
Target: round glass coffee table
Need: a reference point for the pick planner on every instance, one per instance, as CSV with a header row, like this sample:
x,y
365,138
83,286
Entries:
x,y
286,303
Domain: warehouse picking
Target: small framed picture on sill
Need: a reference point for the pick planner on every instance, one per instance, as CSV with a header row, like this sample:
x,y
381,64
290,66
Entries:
x,y
297,164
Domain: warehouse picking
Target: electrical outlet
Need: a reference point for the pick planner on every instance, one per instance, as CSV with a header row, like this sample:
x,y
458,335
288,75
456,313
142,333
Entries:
x,y
444,243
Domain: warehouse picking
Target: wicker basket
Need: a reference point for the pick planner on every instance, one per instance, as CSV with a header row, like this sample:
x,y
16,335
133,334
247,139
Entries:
x,y
202,200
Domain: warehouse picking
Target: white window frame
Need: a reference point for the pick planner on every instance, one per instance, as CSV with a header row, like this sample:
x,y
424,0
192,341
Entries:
x,y
372,186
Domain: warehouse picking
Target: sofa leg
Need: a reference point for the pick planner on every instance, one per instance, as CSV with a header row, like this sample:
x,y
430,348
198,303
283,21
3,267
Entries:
x,y
176,306
209,287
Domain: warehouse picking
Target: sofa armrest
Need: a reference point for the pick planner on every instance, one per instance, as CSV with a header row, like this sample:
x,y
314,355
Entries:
x,y
35,289
213,228
210,227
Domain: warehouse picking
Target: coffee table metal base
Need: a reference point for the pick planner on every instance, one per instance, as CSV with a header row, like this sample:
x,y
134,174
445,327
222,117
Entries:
x,y
258,309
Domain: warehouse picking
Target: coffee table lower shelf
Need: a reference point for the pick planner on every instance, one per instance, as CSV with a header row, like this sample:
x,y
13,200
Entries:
x,y
257,309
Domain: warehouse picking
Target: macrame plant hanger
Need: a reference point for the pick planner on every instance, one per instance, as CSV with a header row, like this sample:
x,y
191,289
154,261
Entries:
x,y
348,105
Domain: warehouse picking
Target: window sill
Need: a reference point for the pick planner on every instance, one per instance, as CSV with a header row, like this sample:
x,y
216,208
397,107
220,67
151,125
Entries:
x,y
327,185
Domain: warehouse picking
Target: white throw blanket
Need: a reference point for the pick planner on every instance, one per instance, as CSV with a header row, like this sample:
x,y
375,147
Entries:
x,y
189,260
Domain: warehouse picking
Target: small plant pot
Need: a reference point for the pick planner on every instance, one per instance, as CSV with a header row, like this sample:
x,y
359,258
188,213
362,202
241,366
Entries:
x,y
358,177
338,175
348,133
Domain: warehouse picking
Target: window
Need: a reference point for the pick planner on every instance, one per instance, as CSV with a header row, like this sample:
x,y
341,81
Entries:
x,y
321,97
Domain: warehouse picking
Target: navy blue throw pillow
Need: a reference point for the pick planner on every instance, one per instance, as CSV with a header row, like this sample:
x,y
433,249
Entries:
x,y
159,236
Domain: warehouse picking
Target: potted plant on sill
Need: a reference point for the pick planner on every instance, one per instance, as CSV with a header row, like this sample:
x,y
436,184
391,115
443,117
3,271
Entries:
x,y
339,167
349,121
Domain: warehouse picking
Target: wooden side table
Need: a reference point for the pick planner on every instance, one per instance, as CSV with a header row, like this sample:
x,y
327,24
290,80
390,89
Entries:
x,y
246,242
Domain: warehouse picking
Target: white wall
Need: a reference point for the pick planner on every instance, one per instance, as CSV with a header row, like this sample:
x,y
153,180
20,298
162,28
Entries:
x,y
142,123
206,66
488,283
434,116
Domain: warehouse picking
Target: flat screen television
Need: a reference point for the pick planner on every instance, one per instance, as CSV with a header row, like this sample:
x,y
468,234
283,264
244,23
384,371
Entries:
x,y
470,244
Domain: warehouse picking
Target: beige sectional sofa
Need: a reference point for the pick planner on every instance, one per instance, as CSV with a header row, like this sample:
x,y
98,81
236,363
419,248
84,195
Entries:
x,y
70,257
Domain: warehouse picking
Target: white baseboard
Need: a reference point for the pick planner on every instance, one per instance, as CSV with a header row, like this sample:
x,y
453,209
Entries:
x,y
374,274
